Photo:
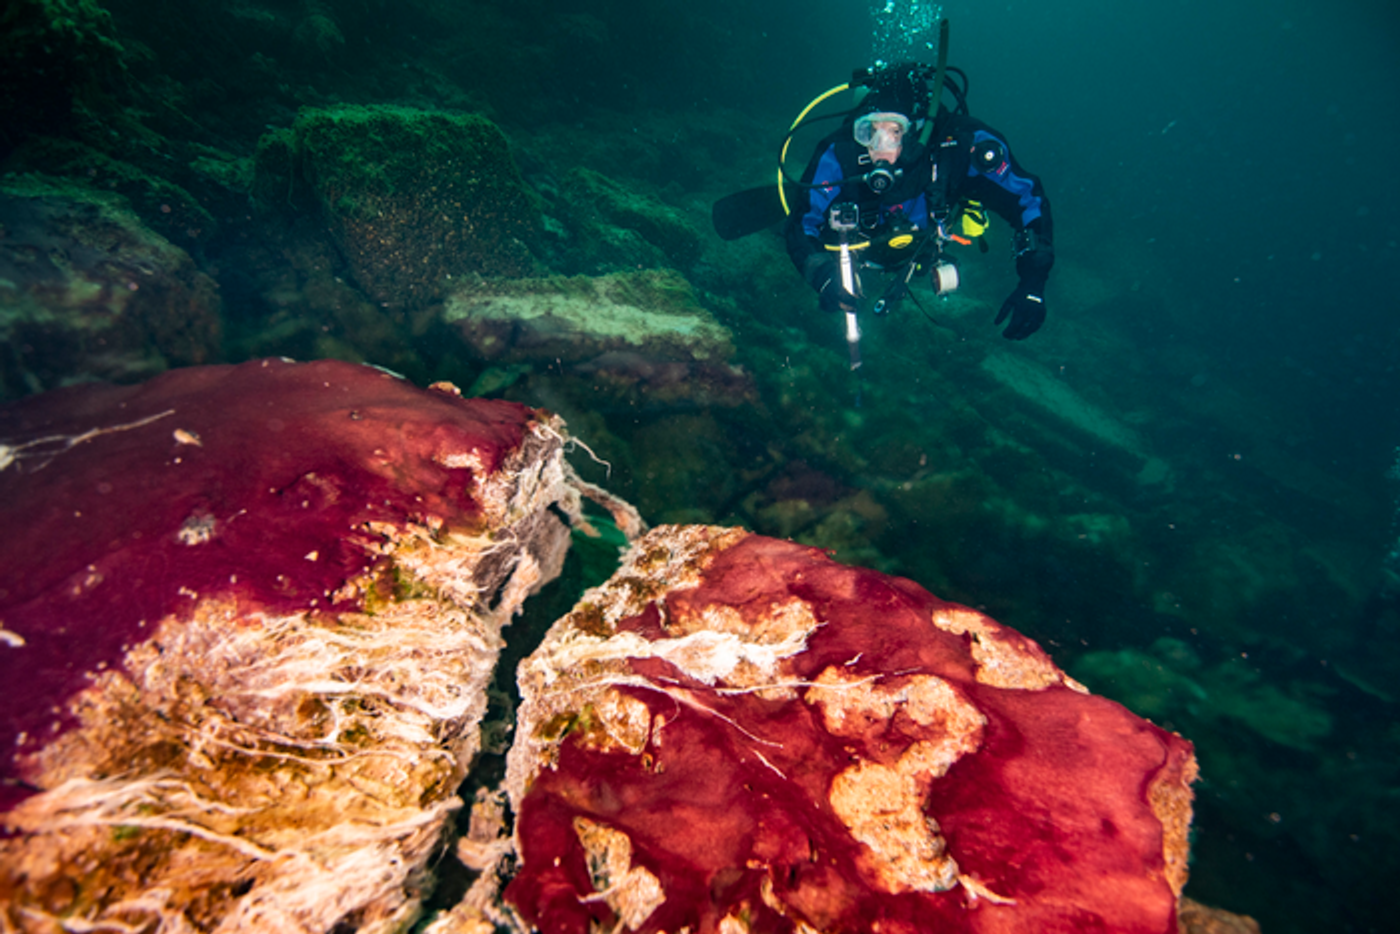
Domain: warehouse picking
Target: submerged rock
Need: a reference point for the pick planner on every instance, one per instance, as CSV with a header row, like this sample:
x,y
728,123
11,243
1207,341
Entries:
x,y
56,62
619,227
1084,424
88,292
738,734
1168,682
249,617
635,335
1202,919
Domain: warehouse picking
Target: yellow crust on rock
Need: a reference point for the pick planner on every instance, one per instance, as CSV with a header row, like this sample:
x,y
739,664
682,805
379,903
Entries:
x,y
632,892
883,805
1170,796
1002,661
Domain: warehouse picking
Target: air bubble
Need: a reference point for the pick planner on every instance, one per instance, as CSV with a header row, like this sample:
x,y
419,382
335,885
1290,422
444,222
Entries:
x,y
903,29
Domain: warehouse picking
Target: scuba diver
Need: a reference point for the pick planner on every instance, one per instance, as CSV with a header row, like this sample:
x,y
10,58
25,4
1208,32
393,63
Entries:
x,y
902,177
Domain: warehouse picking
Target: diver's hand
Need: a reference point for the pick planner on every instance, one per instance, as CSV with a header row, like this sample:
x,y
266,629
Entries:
x,y
1026,308
834,297
824,274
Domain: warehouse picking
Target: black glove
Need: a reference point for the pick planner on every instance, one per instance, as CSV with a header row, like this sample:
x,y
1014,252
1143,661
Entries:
x,y
1026,307
823,273
1035,255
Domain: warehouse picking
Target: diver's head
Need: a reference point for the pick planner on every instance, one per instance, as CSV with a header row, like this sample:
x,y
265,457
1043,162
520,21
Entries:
x,y
895,98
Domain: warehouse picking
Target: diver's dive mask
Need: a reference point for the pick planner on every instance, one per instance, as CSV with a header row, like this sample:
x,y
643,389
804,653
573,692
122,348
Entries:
x,y
881,131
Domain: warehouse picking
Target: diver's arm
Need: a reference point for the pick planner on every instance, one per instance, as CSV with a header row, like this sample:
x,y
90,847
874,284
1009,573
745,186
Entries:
x,y
995,178
1018,196
807,222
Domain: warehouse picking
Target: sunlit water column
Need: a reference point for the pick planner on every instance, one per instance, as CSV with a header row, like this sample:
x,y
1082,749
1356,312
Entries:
x,y
903,29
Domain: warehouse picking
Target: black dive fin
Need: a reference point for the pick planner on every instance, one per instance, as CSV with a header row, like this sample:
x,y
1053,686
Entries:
x,y
747,212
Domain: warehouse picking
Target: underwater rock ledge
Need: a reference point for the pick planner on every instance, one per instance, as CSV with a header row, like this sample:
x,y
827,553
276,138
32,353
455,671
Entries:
x,y
738,734
249,614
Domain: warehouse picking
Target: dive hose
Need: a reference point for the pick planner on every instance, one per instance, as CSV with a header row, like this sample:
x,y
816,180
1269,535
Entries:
x,y
782,156
938,75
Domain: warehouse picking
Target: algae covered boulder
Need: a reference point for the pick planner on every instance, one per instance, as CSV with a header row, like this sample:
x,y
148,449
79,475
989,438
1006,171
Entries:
x,y
413,198
89,292
738,734
249,616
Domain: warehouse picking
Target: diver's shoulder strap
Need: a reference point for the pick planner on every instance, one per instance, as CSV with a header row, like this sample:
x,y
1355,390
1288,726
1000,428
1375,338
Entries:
x,y
949,155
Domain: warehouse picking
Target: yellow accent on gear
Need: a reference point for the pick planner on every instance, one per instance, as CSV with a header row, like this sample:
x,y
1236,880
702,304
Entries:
x,y
782,158
974,219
